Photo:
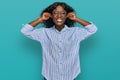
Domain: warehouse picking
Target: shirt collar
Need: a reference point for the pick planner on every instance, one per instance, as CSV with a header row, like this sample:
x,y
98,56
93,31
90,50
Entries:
x,y
64,29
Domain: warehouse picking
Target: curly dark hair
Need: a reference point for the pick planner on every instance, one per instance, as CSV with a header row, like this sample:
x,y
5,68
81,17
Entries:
x,y
49,23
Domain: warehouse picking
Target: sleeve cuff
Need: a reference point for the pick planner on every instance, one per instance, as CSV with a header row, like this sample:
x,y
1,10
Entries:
x,y
90,24
91,27
28,27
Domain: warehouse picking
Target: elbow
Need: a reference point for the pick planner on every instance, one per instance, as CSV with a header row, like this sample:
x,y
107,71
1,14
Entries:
x,y
22,31
95,29
91,28
27,29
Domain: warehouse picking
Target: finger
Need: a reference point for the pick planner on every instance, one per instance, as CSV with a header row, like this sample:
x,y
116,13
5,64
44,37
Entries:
x,y
49,15
68,15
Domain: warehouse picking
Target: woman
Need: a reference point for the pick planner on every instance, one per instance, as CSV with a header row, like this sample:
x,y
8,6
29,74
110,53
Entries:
x,y
60,40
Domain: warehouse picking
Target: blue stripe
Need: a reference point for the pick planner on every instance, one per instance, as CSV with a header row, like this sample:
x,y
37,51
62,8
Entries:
x,y
60,49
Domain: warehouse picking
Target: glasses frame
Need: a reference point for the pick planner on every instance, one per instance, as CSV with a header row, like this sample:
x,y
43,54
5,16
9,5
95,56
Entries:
x,y
62,13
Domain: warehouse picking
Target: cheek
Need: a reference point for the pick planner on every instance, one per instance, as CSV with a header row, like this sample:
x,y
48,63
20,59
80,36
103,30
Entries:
x,y
54,20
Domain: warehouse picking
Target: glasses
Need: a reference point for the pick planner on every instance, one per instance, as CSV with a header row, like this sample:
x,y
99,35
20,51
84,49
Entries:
x,y
62,13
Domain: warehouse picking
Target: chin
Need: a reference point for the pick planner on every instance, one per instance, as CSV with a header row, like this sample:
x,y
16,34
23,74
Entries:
x,y
59,24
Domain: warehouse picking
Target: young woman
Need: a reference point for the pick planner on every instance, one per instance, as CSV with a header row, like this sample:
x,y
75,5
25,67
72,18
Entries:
x,y
60,40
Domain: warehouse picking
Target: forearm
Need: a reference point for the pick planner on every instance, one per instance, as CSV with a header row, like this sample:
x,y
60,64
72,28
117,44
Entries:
x,y
82,22
36,22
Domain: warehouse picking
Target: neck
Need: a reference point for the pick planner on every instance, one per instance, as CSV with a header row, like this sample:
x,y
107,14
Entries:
x,y
59,28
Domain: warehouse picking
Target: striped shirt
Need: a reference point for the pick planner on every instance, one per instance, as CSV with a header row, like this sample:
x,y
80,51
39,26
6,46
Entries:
x,y
60,49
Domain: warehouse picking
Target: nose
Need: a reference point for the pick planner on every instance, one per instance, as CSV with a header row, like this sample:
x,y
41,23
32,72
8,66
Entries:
x,y
59,15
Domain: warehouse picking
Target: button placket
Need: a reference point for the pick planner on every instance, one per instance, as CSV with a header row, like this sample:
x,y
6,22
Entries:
x,y
60,67
60,44
60,54
60,49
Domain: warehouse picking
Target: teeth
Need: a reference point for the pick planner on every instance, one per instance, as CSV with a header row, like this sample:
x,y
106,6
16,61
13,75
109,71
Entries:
x,y
59,20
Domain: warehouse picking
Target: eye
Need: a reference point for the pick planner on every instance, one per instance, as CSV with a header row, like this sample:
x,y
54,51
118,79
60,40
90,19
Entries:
x,y
59,12
63,12
55,12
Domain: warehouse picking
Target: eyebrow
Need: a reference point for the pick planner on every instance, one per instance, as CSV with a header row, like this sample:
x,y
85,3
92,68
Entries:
x,y
60,10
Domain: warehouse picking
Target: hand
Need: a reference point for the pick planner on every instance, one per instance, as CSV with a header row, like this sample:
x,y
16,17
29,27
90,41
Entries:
x,y
72,16
45,16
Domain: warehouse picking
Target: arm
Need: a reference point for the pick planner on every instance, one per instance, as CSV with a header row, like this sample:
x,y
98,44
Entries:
x,y
73,17
36,34
83,33
45,16
36,22
82,22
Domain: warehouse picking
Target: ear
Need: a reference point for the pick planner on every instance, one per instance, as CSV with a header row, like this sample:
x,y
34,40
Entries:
x,y
69,14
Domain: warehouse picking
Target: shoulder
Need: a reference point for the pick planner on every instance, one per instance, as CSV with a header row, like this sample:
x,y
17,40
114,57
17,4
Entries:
x,y
75,28
48,29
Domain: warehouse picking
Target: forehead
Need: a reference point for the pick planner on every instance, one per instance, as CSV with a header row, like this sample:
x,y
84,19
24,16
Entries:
x,y
59,8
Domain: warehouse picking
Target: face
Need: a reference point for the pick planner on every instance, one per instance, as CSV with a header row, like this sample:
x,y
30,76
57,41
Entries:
x,y
59,16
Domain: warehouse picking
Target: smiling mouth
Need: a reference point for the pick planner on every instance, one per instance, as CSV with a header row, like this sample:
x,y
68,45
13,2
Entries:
x,y
59,20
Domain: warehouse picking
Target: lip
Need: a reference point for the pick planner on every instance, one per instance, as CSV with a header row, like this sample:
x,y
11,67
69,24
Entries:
x,y
59,20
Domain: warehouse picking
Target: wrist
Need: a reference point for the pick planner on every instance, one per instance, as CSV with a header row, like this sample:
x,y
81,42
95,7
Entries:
x,y
39,20
77,19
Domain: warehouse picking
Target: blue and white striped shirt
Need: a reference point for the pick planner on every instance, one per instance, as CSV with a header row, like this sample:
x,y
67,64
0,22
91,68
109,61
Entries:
x,y
60,49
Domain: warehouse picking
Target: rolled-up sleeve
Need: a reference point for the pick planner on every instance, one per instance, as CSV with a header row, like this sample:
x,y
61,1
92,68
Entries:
x,y
32,33
87,31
